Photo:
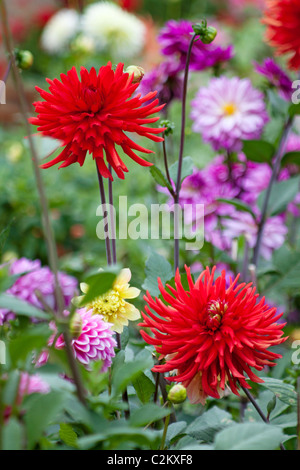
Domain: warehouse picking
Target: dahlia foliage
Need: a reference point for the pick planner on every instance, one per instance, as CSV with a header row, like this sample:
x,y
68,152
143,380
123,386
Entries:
x,y
94,115
210,335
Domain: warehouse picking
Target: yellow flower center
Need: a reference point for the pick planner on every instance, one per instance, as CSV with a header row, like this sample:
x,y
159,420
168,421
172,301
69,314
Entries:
x,y
109,305
229,109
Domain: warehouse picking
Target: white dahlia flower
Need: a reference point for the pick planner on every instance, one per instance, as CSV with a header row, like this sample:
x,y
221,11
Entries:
x,y
115,31
60,30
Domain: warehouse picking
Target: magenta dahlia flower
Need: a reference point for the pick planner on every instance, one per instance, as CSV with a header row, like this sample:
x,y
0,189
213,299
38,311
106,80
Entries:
x,y
175,38
276,77
41,279
228,111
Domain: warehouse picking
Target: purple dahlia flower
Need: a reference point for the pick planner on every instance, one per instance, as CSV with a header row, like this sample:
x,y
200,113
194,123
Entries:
x,y
276,77
41,279
228,111
175,38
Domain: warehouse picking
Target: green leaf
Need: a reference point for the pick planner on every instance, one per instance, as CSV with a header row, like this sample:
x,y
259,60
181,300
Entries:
x,y
175,430
43,410
99,284
11,387
128,372
156,266
33,339
282,194
144,387
283,391
148,414
21,307
294,110
240,205
186,169
271,405
208,424
68,435
249,436
160,178
291,158
287,262
12,435
258,150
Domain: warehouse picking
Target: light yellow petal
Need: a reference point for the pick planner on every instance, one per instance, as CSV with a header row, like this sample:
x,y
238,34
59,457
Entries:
x,y
123,278
131,312
131,293
84,287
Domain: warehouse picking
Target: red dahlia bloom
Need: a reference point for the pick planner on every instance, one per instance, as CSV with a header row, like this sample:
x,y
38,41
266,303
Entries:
x,y
95,114
211,335
282,18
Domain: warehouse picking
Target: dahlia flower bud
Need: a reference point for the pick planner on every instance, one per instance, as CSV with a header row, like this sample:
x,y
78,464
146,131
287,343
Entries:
x,y
137,71
24,59
207,33
168,125
177,394
76,325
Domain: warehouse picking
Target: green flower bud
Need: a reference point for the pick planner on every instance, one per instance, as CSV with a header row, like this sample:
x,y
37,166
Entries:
x,y
206,33
24,59
177,394
137,71
76,325
170,126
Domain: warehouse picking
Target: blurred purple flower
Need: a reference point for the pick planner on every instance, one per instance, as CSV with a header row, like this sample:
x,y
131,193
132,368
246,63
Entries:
x,y
165,78
276,77
175,38
228,111
41,279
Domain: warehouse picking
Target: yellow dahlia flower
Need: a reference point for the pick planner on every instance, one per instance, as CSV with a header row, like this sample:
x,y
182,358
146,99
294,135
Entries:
x,y
113,306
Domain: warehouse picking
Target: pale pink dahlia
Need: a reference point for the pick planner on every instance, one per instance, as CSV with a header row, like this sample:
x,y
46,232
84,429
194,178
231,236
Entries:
x,y
31,384
228,111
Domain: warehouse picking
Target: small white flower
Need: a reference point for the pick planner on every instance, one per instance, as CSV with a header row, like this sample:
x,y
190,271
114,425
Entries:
x,y
114,30
60,30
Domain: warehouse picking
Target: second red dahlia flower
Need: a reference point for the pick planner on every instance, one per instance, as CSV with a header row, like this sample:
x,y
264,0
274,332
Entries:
x,y
211,335
282,18
94,115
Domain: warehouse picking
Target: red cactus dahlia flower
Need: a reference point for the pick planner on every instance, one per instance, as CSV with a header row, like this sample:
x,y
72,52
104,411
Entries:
x,y
282,18
95,114
211,335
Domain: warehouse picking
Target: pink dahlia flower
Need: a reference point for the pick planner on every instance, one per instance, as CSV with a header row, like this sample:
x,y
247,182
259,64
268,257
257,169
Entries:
x,y
31,384
94,343
228,111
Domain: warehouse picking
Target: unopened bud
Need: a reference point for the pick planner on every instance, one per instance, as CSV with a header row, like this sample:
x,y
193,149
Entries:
x,y
168,125
207,33
177,394
137,71
24,59
76,325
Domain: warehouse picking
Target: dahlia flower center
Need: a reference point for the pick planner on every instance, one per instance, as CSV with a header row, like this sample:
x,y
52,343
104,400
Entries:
x,y
229,109
215,311
109,305
92,98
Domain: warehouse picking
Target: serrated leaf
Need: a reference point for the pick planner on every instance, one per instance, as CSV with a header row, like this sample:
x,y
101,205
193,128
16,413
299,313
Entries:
x,y
186,169
148,414
160,178
175,430
249,436
283,391
144,387
208,424
156,266
68,435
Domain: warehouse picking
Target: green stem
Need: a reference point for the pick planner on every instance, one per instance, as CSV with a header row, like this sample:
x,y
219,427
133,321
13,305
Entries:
x,y
47,228
163,439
